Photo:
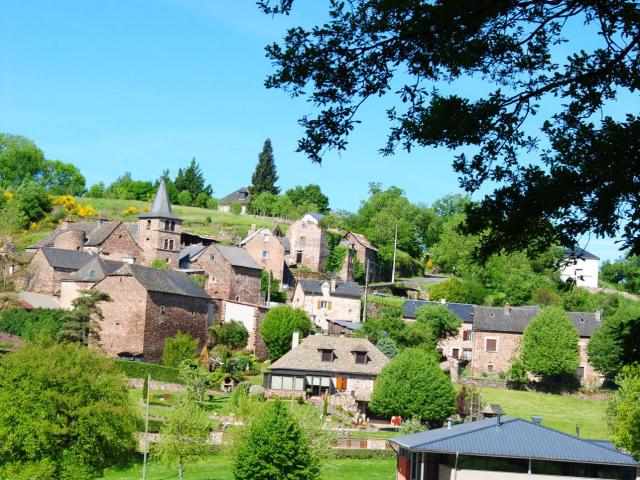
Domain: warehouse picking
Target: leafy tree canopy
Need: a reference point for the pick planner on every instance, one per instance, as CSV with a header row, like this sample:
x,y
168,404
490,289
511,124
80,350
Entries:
x,y
232,334
311,193
278,326
623,412
412,385
81,325
65,413
63,179
20,160
126,188
550,344
516,52
178,349
434,323
40,324
191,180
623,273
265,176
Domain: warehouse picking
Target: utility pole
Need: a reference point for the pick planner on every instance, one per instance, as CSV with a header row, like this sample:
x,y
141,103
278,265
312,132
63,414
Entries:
x,y
146,431
269,290
366,291
395,251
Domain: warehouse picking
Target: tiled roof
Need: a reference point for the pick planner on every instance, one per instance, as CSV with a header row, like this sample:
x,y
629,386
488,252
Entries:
x,y
346,324
464,311
307,357
513,438
343,289
66,259
132,228
516,319
238,257
161,208
241,195
163,281
580,253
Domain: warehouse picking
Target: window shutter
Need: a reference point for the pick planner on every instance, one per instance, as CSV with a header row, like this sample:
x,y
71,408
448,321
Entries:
x,y
319,304
329,305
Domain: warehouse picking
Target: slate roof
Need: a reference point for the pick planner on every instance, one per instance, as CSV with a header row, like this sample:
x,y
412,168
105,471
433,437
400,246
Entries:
x,y
317,216
343,289
514,438
190,254
163,281
96,232
94,271
238,257
86,227
516,319
306,356
364,241
580,253
132,228
160,208
241,195
66,259
100,233
464,311
346,324
38,300
285,242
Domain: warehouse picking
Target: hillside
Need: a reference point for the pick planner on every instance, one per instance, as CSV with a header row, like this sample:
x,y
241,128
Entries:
x,y
202,221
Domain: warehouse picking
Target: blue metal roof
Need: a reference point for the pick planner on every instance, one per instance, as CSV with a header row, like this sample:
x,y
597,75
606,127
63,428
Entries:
x,y
513,438
464,311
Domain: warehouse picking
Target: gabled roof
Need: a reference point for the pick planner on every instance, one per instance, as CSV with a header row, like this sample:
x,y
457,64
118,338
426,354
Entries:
x,y
579,253
237,256
343,289
132,228
513,438
285,242
252,235
163,281
101,232
516,319
94,271
161,208
38,300
306,356
346,324
362,240
190,254
464,311
241,195
315,215
66,259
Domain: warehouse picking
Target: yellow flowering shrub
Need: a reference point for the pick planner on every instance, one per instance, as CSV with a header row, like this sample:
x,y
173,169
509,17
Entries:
x,y
8,195
86,211
68,203
130,211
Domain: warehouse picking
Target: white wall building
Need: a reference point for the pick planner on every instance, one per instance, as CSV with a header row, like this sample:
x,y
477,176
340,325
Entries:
x,y
580,266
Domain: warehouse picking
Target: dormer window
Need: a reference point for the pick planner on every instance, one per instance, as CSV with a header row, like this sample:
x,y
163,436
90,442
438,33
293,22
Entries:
x,y
266,237
92,273
326,355
361,358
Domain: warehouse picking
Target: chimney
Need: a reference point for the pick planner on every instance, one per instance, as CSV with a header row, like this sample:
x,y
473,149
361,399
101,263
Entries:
x,y
498,420
598,315
333,284
101,219
577,430
443,301
536,419
295,340
507,310
449,423
253,229
66,223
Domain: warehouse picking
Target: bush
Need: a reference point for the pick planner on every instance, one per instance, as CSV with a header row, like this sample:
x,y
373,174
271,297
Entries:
x,y
278,326
458,291
212,204
159,264
236,208
232,334
433,323
201,200
184,198
277,295
363,454
178,349
413,385
623,413
37,325
158,373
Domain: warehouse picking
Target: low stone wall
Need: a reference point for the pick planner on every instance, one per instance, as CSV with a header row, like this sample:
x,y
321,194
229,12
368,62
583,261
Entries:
x,y
491,382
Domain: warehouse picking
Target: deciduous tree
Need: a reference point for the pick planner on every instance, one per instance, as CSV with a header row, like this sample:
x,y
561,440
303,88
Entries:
x,y
178,349
278,326
624,411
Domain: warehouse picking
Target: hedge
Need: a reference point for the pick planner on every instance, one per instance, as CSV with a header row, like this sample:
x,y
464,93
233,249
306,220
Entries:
x,y
363,453
159,373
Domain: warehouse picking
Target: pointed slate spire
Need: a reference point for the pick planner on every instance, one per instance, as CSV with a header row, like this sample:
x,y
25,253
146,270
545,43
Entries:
x,y
161,207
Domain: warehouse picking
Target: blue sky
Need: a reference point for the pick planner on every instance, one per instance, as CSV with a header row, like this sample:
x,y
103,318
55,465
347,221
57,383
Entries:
x,y
143,85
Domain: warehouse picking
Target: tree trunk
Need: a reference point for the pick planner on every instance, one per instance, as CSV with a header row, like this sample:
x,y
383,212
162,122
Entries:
x,y
180,471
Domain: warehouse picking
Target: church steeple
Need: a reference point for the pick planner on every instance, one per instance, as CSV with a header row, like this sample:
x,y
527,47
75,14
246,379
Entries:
x,y
161,208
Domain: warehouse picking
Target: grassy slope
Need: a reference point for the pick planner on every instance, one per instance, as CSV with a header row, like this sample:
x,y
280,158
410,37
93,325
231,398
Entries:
x,y
559,412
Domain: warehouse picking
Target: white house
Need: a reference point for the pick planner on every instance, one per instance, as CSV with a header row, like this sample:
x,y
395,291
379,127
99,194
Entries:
x,y
580,266
325,300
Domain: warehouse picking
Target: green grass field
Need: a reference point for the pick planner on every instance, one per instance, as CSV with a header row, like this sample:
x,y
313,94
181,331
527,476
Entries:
x,y
219,467
557,411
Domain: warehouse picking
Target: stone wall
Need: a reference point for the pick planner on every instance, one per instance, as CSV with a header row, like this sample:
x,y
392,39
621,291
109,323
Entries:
x,y
151,237
168,314
265,241
42,277
123,326
464,347
311,240
120,244
338,308
245,285
492,363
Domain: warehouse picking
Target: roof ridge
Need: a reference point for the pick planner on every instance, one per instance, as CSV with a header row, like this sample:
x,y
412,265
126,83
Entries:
x,y
478,429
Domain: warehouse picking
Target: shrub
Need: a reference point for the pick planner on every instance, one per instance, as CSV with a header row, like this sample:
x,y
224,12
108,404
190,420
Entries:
x,y
212,204
278,326
158,373
178,349
277,295
159,264
236,208
184,198
37,325
457,291
232,334
130,212
623,412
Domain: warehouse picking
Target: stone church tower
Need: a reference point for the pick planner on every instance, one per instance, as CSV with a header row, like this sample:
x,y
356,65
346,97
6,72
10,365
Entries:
x,y
159,230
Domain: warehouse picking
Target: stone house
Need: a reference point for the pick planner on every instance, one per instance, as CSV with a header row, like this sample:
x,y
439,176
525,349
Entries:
x,y
269,251
231,272
580,267
326,300
50,265
506,448
364,252
319,364
250,315
149,306
309,242
497,336
458,348
242,196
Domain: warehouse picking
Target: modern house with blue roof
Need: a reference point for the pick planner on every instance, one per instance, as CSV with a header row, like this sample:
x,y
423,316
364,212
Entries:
x,y
505,448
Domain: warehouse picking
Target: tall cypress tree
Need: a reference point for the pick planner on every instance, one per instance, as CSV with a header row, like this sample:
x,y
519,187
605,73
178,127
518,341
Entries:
x,y
265,177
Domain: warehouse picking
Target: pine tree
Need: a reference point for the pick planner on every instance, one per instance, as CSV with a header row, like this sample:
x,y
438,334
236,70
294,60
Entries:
x,y
81,325
265,177
192,180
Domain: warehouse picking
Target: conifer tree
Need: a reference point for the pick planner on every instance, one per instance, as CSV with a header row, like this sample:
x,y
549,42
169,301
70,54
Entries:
x,y
265,177
192,180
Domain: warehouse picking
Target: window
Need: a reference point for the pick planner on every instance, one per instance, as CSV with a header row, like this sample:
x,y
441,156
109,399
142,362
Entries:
x,y
167,225
173,225
170,244
266,237
361,358
301,241
580,372
455,352
212,257
490,368
166,244
467,335
148,225
326,355
161,309
265,254
491,345
324,304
